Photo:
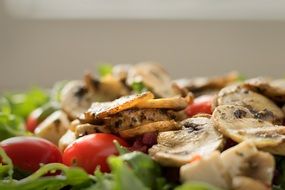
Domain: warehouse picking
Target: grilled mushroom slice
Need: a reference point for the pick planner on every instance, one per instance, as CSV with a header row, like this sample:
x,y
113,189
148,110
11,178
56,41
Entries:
x,y
66,140
204,83
239,124
153,76
53,127
121,71
77,96
250,162
209,169
197,137
85,129
262,107
223,170
101,110
150,127
274,89
175,103
108,87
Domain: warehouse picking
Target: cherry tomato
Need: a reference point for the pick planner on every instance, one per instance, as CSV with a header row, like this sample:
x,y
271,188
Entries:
x,y
28,153
38,115
32,121
91,151
201,104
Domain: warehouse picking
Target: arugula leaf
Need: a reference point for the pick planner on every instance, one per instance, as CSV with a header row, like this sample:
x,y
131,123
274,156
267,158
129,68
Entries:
x,y
133,170
196,186
105,70
76,178
22,104
10,126
122,150
151,170
6,166
103,181
5,106
123,175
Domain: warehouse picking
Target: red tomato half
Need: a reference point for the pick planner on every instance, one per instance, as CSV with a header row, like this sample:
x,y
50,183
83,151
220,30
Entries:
x,y
28,153
31,123
91,151
201,104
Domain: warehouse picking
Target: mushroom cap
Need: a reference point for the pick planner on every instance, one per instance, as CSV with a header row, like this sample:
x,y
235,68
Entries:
x,y
197,137
209,169
153,76
250,162
261,106
274,89
204,83
76,98
239,124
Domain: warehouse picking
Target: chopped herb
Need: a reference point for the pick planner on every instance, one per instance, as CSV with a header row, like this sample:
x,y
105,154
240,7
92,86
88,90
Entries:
x,y
138,87
105,70
241,78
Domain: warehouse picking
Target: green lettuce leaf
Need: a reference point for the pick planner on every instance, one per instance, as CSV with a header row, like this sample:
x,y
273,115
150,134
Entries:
x,y
196,186
136,161
75,178
22,104
10,126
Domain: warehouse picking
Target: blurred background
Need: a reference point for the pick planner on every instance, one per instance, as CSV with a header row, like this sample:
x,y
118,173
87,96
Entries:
x,y
42,41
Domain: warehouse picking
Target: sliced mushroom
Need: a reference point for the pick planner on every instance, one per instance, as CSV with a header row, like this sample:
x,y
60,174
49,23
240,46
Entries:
x,y
153,76
239,124
53,127
203,83
85,129
197,137
238,155
74,124
274,89
245,160
209,169
262,107
238,167
176,103
277,150
76,98
246,183
108,87
66,140
101,110
121,71
157,126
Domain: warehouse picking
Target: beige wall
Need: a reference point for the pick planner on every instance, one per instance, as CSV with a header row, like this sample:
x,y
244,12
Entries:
x,y
44,51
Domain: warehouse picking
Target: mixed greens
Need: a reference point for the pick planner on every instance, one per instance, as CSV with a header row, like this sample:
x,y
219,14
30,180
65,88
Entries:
x,y
129,170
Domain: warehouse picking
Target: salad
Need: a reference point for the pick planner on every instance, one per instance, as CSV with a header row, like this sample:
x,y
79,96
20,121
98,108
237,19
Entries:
x,y
133,127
